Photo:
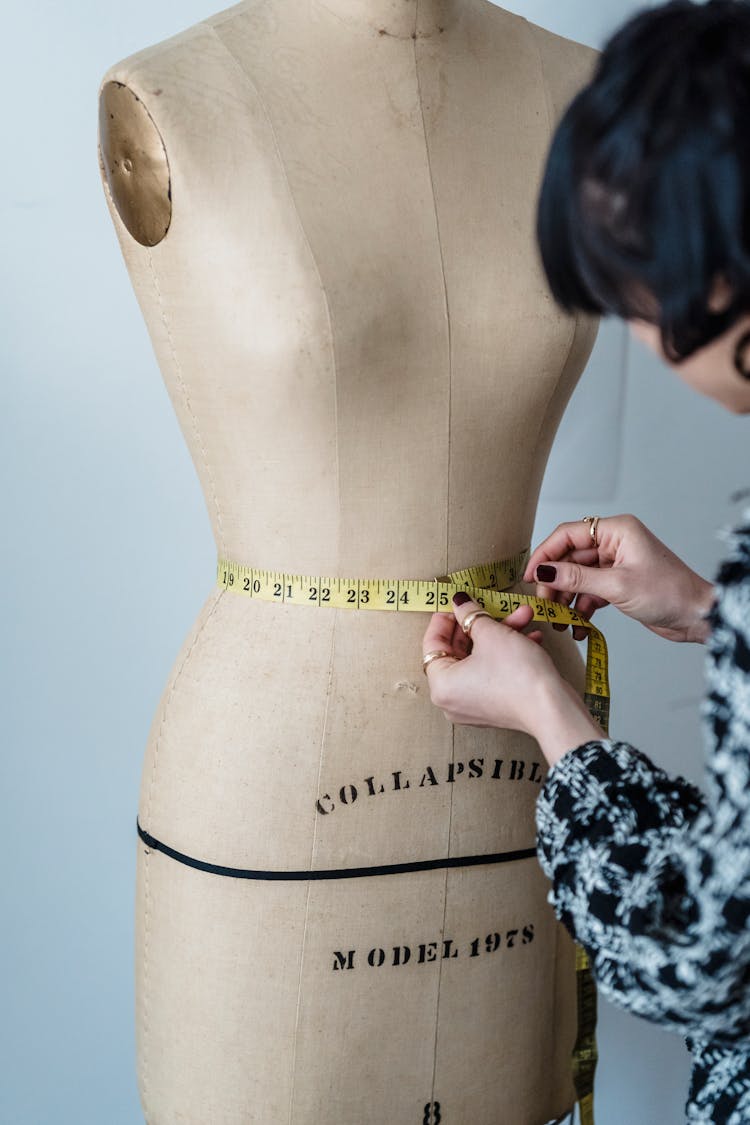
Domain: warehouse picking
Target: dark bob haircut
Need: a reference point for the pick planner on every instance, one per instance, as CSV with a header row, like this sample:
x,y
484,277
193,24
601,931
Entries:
x,y
645,200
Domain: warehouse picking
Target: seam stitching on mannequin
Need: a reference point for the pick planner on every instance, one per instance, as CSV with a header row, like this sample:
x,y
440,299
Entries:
x,y
249,81
542,414
188,402
312,856
149,802
447,519
445,294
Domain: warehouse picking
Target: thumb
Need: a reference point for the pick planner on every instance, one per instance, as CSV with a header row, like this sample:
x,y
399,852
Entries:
x,y
602,583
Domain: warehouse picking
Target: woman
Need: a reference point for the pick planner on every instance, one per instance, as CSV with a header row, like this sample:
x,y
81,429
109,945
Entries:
x,y
644,212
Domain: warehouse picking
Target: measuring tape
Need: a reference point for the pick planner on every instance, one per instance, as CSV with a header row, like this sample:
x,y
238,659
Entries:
x,y
486,584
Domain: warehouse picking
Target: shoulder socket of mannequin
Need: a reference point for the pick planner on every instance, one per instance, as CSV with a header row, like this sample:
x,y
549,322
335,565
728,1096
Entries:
x,y
133,164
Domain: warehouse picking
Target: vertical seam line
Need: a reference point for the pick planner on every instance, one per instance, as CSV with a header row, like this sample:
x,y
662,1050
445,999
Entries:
x,y
445,294
249,81
309,884
447,520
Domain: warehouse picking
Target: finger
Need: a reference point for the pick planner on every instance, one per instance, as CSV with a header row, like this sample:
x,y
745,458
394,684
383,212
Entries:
x,y
536,637
572,542
463,605
567,537
579,632
587,557
553,593
587,605
522,616
437,667
605,583
439,633
461,642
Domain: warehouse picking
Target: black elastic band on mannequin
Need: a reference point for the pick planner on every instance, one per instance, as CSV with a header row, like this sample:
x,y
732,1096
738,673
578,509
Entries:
x,y
340,873
739,355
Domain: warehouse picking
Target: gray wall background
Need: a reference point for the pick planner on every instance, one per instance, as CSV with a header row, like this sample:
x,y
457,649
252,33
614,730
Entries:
x,y
102,501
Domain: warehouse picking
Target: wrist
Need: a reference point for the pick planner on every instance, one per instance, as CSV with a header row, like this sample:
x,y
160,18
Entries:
x,y
699,629
562,720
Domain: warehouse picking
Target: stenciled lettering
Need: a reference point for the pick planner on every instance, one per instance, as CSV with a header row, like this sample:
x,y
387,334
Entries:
x,y
397,781
447,949
343,961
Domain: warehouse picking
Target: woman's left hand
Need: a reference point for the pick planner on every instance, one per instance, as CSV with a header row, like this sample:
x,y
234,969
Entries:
x,y
497,685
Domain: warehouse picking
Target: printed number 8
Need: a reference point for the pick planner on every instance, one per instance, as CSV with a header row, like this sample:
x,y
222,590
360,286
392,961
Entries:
x,y
432,1114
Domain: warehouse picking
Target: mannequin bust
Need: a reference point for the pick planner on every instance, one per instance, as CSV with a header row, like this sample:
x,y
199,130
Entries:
x,y
327,209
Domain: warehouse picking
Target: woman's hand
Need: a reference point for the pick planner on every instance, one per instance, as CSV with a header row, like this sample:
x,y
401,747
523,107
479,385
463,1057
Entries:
x,y
630,569
507,680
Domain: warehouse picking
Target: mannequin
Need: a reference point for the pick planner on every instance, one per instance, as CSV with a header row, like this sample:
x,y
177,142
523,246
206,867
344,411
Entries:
x,y
326,208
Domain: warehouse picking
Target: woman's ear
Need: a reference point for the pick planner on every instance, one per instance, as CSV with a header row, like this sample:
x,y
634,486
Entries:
x,y
721,294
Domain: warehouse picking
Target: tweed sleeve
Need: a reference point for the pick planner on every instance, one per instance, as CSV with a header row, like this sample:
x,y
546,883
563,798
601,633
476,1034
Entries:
x,y
648,874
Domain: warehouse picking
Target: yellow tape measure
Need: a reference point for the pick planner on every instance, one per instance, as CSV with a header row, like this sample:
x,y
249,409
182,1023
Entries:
x,y
486,584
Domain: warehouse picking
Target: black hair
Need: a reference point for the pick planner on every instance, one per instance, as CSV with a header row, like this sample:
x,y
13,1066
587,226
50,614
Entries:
x,y
645,199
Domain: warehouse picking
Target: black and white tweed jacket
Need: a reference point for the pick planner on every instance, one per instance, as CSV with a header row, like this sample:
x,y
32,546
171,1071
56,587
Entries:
x,y
652,877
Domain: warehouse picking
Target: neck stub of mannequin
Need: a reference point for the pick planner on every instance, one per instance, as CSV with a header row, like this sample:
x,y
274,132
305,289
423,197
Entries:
x,y
403,19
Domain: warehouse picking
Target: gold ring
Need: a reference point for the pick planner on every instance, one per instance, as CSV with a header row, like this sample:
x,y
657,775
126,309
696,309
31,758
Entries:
x,y
593,522
437,654
470,618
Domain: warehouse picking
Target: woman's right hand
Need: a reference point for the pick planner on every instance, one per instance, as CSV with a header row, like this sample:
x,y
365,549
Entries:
x,y
630,569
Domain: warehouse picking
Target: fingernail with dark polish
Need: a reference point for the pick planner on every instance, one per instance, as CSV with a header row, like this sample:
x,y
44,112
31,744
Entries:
x,y
461,598
546,573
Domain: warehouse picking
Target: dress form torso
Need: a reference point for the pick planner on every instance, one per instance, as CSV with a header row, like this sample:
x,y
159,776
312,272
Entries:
x,y
356,334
